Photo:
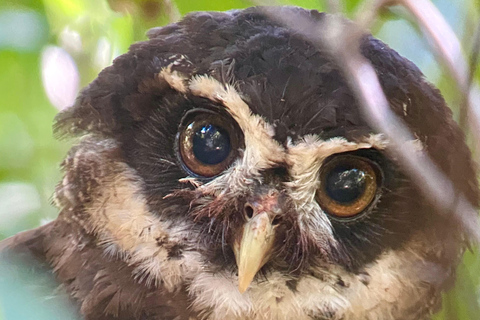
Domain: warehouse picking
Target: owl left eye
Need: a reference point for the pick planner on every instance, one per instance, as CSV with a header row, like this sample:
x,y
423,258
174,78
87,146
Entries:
x,y
207,143
348,185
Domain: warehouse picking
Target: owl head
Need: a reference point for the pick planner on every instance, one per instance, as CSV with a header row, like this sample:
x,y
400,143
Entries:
x,y
227,157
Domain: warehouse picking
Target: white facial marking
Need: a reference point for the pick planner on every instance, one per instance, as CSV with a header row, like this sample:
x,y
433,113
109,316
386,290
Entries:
x,y
175,79
126,227
261,150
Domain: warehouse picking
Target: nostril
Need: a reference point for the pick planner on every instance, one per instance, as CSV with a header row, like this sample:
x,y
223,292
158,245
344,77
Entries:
x,y
276,220
248,211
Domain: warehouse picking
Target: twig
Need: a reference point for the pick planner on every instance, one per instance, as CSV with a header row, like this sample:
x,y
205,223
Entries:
x,y
473,65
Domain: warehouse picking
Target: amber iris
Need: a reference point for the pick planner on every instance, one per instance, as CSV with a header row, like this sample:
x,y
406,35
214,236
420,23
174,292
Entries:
x,y
348,185
207,144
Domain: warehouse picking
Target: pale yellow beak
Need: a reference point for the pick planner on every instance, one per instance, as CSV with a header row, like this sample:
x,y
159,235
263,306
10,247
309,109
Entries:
x,y
253,250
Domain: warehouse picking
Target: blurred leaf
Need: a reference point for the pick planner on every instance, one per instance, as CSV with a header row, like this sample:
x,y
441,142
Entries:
x,y
18,201
462,302
28,152
22,30
18,152
62,12
185,6
351,6
28,292
21,5
308,4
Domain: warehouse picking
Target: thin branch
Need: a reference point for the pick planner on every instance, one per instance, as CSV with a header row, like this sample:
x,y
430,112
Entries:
x,y
473,66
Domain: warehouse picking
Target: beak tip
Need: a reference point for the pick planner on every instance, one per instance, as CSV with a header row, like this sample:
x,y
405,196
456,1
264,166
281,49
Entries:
x,y
243,283
243,286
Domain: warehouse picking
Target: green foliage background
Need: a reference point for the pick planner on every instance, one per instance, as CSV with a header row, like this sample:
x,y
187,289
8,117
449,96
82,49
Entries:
x,y
93,32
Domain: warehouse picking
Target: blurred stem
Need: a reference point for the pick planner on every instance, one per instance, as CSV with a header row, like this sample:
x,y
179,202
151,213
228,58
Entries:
x,y
473,65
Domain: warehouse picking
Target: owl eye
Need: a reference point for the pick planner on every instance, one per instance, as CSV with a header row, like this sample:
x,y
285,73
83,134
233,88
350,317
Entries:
x,y
348,185
207,143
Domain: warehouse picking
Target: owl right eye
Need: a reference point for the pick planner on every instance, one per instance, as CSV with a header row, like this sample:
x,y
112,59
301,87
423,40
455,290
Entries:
x,y
207,143
348,185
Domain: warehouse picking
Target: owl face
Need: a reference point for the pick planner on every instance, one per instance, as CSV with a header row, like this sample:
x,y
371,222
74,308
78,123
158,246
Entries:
x,y
228,156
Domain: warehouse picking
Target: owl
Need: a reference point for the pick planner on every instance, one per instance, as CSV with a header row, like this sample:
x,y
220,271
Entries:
x,y
223,169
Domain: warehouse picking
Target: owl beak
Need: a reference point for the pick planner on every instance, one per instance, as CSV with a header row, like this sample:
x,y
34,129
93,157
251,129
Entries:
x,y
254,248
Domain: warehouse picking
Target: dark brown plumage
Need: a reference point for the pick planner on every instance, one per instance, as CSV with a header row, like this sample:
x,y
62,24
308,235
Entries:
x,y
156,221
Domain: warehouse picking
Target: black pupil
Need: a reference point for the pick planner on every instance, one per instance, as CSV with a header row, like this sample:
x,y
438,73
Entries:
x,y
345,184
211,144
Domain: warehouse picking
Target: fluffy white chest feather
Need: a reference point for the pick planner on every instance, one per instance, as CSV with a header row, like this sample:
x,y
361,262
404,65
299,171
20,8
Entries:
x,y
373,294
